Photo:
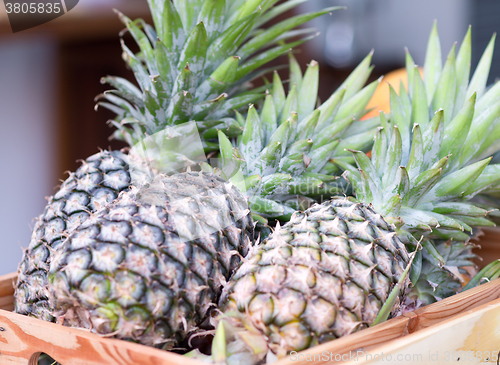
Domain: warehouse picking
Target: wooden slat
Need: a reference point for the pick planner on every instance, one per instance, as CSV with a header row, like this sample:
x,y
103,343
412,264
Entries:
x,y
7,283
489,243
23,338
6,303
456,304
8,307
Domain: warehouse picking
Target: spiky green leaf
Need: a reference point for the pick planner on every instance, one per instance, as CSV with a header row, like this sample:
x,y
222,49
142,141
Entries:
x,y
457,183
250,142
444,95
308,91
219,81
455,133
432,64
462,66
478,82
420,110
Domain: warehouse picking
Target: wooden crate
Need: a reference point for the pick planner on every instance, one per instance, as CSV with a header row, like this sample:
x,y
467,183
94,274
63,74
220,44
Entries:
x,y
465,325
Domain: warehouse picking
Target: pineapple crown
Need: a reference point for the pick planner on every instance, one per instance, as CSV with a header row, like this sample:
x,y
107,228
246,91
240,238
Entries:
x,y
283,153
197,62
447,87
428,159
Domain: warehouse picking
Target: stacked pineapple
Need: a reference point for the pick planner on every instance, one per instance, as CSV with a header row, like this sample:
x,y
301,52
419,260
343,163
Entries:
x,y
103,244
329,271
146,257
149,266
202,265
195,64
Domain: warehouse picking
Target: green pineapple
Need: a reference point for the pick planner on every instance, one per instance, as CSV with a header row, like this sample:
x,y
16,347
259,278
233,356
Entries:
x,y
149,266
96,183
323,275
477,139
470,135
415,190
195,64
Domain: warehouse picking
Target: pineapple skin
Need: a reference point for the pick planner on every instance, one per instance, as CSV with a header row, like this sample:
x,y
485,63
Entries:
x,y
95,184
323,275
150,266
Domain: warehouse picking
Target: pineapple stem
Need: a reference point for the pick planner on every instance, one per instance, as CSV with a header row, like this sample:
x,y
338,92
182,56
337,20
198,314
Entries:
x,y
388,306
219,345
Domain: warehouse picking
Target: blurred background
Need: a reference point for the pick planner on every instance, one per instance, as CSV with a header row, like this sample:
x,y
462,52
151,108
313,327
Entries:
x,y
50,75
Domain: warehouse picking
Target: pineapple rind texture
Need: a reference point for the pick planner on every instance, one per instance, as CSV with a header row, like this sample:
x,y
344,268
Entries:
x,y
92,186
323,275
149,266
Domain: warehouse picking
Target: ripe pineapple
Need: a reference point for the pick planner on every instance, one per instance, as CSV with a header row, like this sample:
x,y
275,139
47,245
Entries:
x,y
96,183
192,65
416,188
323,275
283,154
149,266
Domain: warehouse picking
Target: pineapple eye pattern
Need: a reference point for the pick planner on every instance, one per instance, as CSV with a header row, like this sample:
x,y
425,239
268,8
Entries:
x,y
135,270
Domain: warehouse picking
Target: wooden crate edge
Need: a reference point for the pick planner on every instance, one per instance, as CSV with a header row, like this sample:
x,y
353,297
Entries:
x,y
451,332
427,317
22,338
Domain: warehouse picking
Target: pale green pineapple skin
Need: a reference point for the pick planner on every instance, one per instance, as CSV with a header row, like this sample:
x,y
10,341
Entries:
x,y
100,179
150,266
323,275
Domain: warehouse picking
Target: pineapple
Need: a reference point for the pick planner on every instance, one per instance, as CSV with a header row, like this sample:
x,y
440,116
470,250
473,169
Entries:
x,y
323,275
149,266
477,140
96,183
195,64
415,190
82,292
79,302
